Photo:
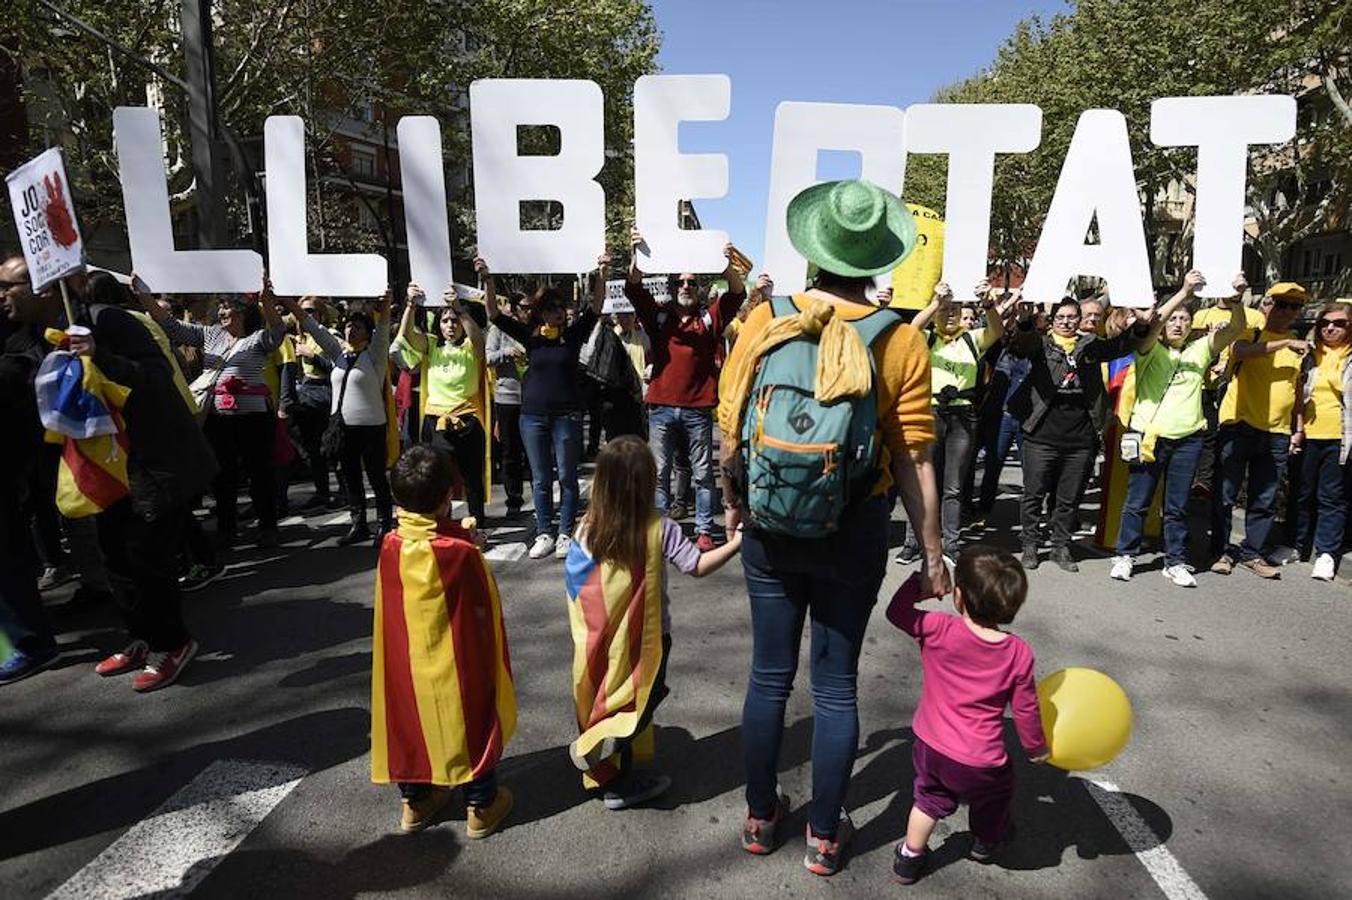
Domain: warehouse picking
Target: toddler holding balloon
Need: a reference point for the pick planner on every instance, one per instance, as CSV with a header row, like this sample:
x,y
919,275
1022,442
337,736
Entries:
x,y
972,671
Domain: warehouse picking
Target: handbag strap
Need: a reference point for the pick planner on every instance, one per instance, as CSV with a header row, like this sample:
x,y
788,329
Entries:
x,y
342,387
1168,386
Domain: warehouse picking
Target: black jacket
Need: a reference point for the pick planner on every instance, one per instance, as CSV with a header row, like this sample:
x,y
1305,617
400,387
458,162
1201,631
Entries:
x,y
170,463
1051,366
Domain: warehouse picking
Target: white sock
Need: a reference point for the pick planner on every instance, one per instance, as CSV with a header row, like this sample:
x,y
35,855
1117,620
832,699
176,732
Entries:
x,y
907,851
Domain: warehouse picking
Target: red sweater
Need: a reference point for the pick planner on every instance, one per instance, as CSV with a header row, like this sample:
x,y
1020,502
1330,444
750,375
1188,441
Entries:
x,y
684,347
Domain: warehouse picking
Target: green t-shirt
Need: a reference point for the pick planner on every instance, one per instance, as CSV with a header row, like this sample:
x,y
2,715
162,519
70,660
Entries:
x,y
1158,369
452,372
953,363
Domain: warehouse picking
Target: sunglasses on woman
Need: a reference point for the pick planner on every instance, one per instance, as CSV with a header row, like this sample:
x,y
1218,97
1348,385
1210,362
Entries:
x,y
1332,323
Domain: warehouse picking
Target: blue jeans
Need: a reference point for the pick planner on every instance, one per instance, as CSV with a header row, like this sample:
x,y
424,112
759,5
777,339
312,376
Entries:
x,y
998,445
480,792
553,442
1323,499
1176,462
1261,456
698,426
835,581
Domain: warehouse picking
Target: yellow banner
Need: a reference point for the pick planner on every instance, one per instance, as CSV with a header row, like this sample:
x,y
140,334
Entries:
x,y
913,281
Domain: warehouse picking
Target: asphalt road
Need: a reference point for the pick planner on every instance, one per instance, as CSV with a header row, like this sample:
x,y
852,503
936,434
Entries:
x,y
250,778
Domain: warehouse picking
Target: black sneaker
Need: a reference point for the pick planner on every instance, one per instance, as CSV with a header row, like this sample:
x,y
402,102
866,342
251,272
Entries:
x,y
908,869
984,853
199,576
1061,556
1030,559
909,553
637,787
824,855
355,535
758,835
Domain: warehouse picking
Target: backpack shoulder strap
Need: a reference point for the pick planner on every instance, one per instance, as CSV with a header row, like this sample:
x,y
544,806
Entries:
x,y
930,339
971,347
876,324
783,306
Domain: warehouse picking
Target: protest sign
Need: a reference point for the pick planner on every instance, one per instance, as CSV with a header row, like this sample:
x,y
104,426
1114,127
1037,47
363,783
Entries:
x,y
463,293
1097,185
617,302
293,268
1221,128
44,215
150,234
663,176
1093,186
913,281
970,134
503,179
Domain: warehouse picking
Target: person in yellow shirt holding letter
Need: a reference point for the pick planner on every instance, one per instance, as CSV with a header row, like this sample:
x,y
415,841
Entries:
x,y
1327,424
1259,431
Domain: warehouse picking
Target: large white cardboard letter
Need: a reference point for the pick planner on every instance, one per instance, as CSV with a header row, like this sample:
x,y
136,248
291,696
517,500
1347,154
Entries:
x,y
293,269
663,176
877,133
502,178
145,194
971,134
1222,128
424,182
1097,179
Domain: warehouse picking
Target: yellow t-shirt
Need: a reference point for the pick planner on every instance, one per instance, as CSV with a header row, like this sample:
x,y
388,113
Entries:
x,y
952,363
1254,320
1324,411
905,420
1263,392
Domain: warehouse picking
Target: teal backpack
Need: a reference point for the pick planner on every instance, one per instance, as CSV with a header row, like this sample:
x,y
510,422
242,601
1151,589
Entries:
x,y
803,460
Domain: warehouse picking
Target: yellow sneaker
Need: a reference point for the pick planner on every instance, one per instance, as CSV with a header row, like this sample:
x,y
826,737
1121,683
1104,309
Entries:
x,y
482,821
420,813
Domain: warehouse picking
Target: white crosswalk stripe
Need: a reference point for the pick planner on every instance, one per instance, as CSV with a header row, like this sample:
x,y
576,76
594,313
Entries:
x,y
172,850
1142,840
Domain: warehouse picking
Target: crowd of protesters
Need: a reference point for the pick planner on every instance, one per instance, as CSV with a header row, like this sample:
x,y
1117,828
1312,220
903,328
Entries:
x,y
1166,405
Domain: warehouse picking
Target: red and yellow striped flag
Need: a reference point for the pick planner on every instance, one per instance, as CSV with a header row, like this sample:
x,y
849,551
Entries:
x,y
443,705
618,655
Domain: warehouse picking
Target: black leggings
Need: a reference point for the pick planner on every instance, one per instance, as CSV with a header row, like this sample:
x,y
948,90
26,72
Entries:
x,y
364,447
467,446
250,438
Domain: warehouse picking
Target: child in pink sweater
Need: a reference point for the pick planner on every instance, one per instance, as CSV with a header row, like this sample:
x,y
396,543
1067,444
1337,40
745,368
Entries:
x,y
972,671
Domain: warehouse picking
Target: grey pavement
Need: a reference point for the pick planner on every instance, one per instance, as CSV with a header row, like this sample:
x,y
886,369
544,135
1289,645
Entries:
x,y
1236,783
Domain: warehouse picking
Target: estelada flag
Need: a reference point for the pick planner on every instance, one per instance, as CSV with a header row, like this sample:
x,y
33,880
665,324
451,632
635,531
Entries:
x,y
443,705
81,409
616,617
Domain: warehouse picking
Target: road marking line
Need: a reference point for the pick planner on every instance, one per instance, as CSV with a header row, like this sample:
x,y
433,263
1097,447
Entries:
x,y
170,852
1142,841
506,552
343,519
291,520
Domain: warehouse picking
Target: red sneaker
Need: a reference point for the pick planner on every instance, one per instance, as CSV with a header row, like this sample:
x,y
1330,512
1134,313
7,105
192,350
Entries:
x,y
133,656
163,667
705,543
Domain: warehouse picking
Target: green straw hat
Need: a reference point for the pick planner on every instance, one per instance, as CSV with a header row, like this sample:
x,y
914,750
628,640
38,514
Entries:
x,y
852,228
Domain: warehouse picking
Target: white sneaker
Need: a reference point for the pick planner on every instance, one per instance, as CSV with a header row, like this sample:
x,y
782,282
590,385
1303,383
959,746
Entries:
x,y
543,546
1121,568
562,547
1323,568
1181,576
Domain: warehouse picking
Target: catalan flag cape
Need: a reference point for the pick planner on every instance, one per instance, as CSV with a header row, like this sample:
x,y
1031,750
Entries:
x,y
443,705
82,410
1120,378
618,656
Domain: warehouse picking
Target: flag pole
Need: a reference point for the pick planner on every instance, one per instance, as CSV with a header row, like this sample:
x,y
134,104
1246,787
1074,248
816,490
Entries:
x,y
65,301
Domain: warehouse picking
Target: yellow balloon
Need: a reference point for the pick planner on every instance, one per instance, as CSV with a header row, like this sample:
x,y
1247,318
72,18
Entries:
x,y
1086,717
